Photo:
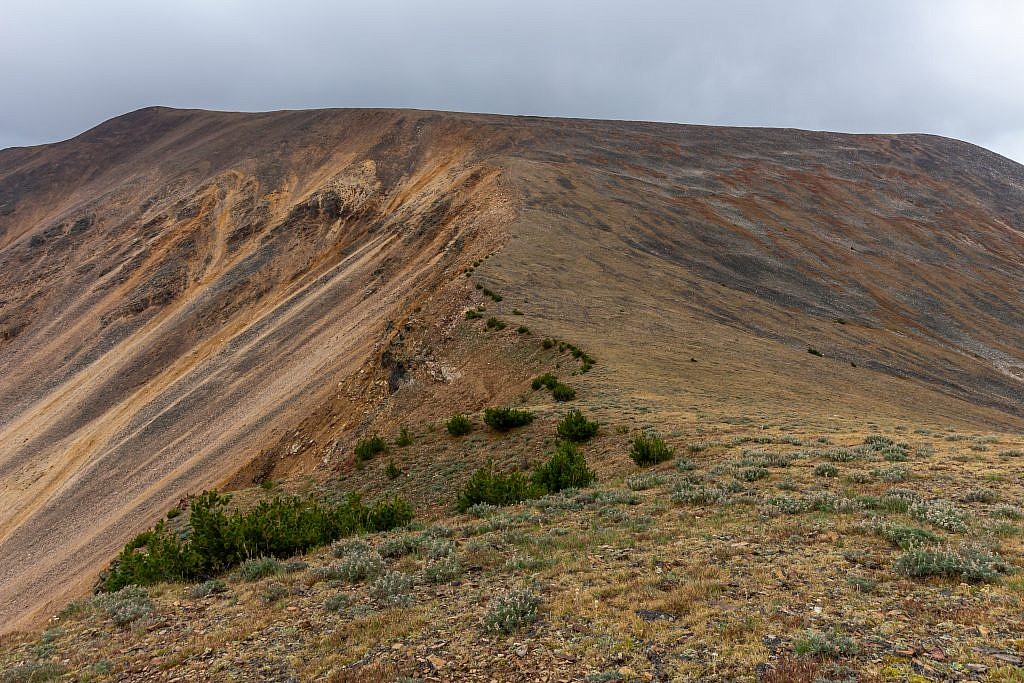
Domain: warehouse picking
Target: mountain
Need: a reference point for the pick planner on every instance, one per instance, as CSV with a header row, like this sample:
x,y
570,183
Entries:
x,y
193,299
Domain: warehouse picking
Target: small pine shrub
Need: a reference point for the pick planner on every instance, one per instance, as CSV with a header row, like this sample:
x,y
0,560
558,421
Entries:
x,y
216,541
392,471
473,314
512,611
366,449
494,488
173,512
495,324
575,427
503,419
813,351
566,469
516,311
548,343
459,425
546,380
523,329
404,438
650,449
563,392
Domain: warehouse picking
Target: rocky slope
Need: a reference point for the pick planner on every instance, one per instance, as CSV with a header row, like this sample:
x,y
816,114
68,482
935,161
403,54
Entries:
x,y
194,298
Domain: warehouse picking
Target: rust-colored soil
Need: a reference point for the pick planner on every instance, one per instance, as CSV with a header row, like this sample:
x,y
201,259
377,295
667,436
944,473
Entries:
x,y
190,299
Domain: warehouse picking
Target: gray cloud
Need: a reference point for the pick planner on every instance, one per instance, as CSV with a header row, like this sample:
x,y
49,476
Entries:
x,y
951,67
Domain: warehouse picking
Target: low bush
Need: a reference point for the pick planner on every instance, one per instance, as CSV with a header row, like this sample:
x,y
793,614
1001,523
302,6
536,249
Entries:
x,y
503,419
392,471
511,611
966,564
495,488
546,380
404,438
566,469
459,425
366,449
575,427
473,314
644,481
906,537
826,469
207,588
563,392
650,449
828,644
217,540
392,589
523,329
125,607
752,473
495,324
443,569
260,568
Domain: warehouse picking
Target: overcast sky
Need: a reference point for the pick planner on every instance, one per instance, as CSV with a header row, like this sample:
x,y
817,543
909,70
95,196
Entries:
x,y
936,66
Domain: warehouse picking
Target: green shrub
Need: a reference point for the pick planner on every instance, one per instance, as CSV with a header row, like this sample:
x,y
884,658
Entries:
x,y
752,473
516,311
494,488
511,611
644,481
217,541
459,425
650,449
495,324
826,469
392,589
503,419
546,380
575,427
906,537
813,351
259,568
824,644
206,588
443,570
966,564
274,592
404,438
566,469
548,343
523,329
563,392
366,449
472,314
173,512
359,566
125,607
939,513
392,471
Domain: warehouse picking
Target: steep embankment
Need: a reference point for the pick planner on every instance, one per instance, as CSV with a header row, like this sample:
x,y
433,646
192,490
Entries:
x,y
183,291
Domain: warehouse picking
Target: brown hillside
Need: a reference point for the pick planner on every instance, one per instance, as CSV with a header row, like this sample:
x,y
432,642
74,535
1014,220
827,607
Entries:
x,y
193,298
